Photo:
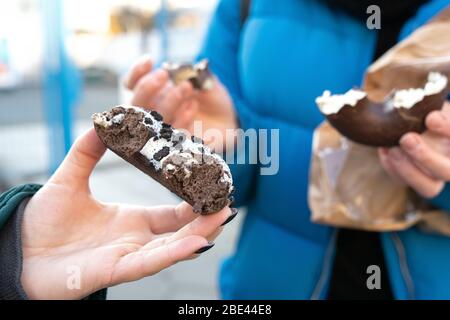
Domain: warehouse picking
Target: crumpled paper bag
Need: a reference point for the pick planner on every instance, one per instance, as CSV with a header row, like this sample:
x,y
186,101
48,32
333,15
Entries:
x,y
407,64
348,186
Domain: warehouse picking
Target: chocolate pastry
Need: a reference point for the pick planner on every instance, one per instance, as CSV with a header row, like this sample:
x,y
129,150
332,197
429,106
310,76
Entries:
x,y
198,74
382,124
183,165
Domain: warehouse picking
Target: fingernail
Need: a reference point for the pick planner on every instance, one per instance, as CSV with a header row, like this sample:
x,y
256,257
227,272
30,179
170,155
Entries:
x,y
147,63
409,142
205,248
396,154
233,215
144,66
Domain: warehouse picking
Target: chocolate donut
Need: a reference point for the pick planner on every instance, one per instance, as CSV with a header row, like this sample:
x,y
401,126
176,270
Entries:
x,y
382,124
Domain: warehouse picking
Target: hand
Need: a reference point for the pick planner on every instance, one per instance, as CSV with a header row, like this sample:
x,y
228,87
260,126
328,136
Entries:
x,y
181,105
422,161
66,230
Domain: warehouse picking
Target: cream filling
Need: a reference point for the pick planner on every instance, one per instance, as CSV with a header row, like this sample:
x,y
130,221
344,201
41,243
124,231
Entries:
x,y
332,104
409,97
184,149
152,147
102,121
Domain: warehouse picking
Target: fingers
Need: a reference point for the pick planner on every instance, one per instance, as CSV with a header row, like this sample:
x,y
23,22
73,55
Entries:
x,y
148,87
383,154
204,226
141,68
431,161
169,218
81,160
186,115
174,100
412,176
146,262
152,90
422,161
439,122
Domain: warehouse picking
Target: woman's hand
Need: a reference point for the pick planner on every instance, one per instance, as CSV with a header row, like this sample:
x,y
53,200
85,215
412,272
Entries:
x,y
422,161
181,105
74,245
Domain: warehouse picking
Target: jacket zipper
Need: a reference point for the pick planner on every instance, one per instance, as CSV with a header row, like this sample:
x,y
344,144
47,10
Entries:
x,y
404,268
324,274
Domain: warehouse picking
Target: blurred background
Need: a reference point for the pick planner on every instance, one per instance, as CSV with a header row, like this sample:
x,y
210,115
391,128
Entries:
x,y
61,61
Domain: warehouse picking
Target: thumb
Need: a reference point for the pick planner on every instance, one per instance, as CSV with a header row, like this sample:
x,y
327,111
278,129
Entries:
x,y
81,160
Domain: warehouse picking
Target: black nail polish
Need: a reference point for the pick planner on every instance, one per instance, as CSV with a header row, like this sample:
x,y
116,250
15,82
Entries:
x,y
205,248
233,215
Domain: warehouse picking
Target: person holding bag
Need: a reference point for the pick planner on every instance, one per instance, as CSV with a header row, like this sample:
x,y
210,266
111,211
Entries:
x,y
271,62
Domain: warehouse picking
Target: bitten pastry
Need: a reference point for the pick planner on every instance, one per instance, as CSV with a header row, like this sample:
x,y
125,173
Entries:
x,y
382,124
198,74
183,164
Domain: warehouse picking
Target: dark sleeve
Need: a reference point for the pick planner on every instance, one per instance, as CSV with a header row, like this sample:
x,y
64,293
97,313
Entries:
x,y
11,258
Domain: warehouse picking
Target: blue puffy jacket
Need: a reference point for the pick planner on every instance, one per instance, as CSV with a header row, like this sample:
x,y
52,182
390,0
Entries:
x,y
284,56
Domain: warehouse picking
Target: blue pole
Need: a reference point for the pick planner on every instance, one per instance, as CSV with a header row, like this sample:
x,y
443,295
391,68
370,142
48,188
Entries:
x,y
162,22
60,83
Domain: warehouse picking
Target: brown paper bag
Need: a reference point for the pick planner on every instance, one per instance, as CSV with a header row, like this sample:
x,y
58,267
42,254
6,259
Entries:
x,y
348,186
407,64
